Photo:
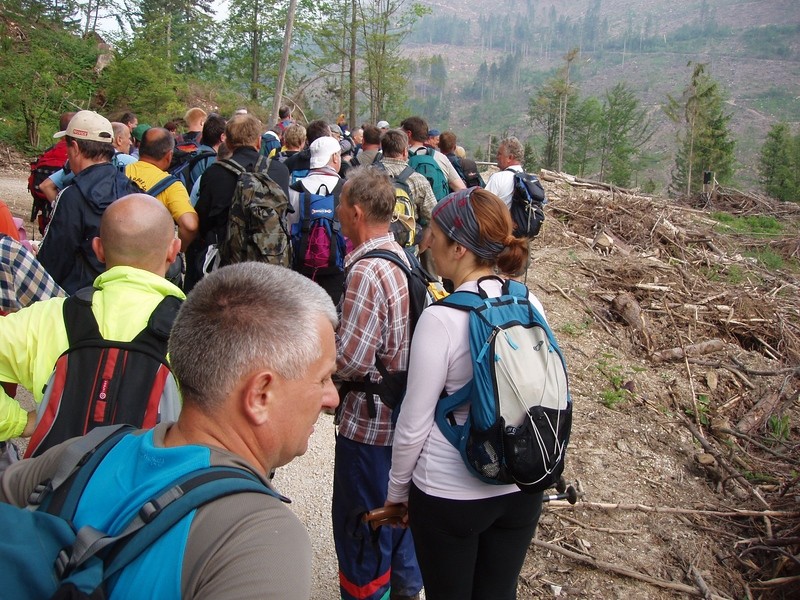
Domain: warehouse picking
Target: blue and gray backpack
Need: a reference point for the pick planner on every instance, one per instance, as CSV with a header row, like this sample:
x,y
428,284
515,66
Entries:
x,y
318,246
45,557
520,413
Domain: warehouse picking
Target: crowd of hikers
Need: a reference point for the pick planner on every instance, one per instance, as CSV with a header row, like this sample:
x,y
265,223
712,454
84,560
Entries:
x,y
203,290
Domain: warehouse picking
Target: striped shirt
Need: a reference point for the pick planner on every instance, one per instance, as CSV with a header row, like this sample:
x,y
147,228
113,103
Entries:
x,y
374,320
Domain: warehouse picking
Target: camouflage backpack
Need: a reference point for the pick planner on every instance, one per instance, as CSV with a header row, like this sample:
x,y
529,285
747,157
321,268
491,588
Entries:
x,y
257,222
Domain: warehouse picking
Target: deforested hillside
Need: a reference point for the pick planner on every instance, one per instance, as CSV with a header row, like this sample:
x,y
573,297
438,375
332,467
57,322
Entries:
x,y
499,57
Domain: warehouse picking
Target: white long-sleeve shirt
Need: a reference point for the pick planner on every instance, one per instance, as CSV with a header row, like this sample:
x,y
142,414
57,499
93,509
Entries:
x,y
440,359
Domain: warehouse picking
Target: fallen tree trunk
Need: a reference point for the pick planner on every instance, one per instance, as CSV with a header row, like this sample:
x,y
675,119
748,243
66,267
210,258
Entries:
x,y
679,353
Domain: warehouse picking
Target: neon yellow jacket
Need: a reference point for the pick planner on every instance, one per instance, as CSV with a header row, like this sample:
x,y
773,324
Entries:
x,y
32,339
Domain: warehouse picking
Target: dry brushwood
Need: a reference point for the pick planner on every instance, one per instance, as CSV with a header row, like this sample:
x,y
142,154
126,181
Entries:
x,y
693,291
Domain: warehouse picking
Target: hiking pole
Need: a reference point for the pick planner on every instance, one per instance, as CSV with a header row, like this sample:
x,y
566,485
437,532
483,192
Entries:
x,y
571,496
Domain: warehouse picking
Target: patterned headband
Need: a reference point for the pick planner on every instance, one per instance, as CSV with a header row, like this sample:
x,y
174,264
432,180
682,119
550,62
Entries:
x,y
454,214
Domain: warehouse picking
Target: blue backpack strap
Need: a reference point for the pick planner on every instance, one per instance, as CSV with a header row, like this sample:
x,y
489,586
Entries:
x,y
60,494
466,301
158,515
162,185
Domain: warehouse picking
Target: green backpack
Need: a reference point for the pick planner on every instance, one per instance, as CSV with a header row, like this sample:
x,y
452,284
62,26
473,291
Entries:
x,y
257,223
425,164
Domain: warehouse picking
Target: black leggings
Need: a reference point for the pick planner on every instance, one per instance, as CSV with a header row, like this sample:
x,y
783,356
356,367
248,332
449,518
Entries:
x,y
472,549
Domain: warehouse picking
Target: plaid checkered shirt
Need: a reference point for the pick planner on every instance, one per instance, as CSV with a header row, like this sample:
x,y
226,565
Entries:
x,y
23,280
374,320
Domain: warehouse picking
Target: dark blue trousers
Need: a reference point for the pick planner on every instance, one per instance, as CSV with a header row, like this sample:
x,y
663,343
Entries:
x,y
371,563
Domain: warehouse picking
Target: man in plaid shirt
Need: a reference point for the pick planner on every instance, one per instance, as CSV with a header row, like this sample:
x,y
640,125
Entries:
x,y
23,279
373,327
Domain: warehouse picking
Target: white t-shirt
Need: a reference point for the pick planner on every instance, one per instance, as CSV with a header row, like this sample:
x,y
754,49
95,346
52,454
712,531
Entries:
x,y
501,184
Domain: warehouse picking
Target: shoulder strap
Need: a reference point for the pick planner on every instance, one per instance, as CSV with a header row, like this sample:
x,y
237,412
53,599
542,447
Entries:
x,y
84,453
162,318
160,514
162,185
232,166
262,164
403,175
392,385
462,300
79,320
390,256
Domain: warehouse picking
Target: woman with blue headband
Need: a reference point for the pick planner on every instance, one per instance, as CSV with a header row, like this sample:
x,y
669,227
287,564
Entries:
x,y
470,537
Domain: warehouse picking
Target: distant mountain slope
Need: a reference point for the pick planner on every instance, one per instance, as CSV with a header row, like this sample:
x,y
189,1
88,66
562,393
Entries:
x,y
753,48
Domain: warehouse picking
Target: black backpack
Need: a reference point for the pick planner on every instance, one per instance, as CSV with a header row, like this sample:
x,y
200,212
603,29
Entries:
x,y
527,205
423,290
103,382
184,159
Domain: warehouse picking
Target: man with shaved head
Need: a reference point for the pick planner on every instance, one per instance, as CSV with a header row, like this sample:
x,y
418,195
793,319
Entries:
x,y
137,244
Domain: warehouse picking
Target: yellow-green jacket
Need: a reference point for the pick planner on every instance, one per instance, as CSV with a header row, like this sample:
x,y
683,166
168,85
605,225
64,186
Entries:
x,y
32,339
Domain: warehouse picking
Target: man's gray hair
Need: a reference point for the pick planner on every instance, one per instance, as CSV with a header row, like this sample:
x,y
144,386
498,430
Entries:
x,y
373,191
241,318
514,148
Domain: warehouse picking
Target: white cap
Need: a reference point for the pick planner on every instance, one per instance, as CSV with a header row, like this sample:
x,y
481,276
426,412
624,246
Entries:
x,y
383,125
321,151
88,125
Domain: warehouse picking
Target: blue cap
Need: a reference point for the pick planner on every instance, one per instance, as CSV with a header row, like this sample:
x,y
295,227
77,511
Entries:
x,y
433,132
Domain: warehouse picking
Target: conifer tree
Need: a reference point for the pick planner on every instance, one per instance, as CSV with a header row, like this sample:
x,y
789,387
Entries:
x,y
778,173
705,142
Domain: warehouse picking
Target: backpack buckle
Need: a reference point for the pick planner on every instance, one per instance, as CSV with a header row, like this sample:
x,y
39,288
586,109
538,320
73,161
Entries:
x,y
62,564
39,492
149,511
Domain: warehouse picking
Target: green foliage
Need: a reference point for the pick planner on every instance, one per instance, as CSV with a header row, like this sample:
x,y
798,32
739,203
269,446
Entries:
x,y
705,142
779,428
141,80
429,87
767,257
576,329
617,394
771,41
778,164
174,29
46,73
753,225
625,127
583,124
702,402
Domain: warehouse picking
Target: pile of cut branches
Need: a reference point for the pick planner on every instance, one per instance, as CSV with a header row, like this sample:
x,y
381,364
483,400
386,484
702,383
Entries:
x,y
689,292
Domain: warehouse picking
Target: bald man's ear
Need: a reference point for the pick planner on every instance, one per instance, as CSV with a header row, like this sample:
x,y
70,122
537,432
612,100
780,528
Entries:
x,y
172,253
99,251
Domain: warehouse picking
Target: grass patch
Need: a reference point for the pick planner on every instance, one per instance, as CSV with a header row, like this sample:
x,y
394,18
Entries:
x,y
617,394
732,274
575,329
767,257
703,403
756,225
